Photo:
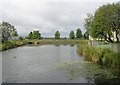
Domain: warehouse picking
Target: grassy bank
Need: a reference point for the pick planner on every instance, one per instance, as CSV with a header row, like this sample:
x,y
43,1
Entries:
x,y
11,44
16,43
102,56
56,42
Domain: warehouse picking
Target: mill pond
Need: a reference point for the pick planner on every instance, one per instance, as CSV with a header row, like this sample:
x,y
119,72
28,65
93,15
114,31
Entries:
x,y
50,64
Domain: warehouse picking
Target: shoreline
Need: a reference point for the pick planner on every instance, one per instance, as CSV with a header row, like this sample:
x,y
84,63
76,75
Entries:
x,y
17,43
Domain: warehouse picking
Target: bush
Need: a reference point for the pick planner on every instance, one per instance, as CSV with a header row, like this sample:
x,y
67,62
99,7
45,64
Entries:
x,y
20,38
11,44
101,56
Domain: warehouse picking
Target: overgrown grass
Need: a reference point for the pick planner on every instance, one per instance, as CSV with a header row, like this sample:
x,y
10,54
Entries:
x,y
11,44
102,56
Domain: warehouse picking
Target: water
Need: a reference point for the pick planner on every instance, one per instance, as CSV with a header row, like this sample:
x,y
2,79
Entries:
x,y
46,64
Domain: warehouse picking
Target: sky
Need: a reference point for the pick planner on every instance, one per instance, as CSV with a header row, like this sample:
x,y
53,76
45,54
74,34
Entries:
x,y
48,16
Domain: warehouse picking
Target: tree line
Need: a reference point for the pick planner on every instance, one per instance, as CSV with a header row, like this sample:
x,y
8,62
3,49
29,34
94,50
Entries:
x,y
105,23
37,35
8,31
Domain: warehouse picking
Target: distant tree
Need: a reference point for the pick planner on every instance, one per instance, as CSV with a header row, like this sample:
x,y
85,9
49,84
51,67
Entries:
x,y
34,35
57,35
72,35
14,34
88,23
7,30
86,35
30,35
20,38
78,33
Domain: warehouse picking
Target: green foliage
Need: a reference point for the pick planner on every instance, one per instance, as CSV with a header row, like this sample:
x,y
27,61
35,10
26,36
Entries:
x,y
12,44
102,56
86,35
105,22
34,35
7,30
88,23
72,35
101,23
57,35
21,38
14,33
78,33
30,35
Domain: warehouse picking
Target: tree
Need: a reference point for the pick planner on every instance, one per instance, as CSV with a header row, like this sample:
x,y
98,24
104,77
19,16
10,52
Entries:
x,y
14,33
57,35
72,35
115,19
30,35
21,38
34,35
106,22
79,33
86,35
7,31
88,23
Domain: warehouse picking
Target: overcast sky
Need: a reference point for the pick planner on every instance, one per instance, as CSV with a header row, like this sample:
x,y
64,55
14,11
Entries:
x,y
48,16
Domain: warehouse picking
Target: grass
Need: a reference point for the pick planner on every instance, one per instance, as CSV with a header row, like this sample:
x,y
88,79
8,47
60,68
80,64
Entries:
x,y
55,41
16,43
11,44
104,46
102,56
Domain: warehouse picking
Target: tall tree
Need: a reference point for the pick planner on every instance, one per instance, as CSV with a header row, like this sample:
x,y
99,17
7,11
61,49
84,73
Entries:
x,y
86,35
115,19
88,22
7,30
57,35
78,33
106,21
72,35
34,35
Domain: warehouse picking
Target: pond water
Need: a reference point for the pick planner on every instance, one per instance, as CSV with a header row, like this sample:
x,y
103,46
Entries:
x,y
47,64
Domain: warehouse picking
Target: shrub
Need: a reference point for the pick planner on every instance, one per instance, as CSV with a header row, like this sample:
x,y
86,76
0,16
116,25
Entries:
x,y
102,56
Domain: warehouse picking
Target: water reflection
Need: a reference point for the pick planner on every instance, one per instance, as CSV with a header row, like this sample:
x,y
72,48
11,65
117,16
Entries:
x,y
49,64
36,64
57,45
72,45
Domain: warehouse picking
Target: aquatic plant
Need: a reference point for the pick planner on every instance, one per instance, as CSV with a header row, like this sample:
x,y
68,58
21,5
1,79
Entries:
x,y
102,56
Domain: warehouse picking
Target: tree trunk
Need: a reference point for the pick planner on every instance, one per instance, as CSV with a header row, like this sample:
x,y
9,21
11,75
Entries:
x,y
117,36
109,38
106,38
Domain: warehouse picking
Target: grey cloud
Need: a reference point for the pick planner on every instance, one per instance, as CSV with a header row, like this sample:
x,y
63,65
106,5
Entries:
x,y
47,17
